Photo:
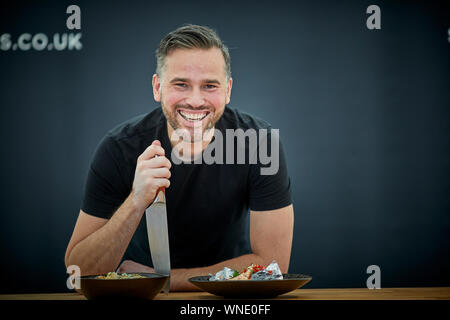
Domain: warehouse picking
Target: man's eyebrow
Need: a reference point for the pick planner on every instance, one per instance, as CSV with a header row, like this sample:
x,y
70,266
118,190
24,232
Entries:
x,y
211,81
178,79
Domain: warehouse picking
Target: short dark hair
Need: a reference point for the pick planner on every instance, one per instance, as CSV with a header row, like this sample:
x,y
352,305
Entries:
x,y
188,37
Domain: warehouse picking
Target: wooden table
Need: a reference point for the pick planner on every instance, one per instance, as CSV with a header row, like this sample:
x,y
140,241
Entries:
x,y
434,293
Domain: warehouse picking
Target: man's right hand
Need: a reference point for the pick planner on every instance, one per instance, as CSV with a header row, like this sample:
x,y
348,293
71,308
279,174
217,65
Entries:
x,y
152,172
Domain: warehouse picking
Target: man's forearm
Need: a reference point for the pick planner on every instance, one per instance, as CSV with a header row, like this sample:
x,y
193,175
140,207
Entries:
x,y
179,277
102,251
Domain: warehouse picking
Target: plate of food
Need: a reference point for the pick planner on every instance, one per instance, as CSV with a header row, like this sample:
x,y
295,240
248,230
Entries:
x,y
255,281
122,285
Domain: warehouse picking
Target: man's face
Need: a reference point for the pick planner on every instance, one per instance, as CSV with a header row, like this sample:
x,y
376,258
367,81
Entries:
x,y
193,90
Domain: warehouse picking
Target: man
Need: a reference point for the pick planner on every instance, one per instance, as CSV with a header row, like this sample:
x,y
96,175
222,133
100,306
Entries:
x,y
207,204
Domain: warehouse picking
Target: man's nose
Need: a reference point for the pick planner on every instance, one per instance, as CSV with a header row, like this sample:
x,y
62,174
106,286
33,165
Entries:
x,y
195,98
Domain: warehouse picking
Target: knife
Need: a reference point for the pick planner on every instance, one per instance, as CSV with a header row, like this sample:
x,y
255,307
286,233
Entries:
x,y
158,236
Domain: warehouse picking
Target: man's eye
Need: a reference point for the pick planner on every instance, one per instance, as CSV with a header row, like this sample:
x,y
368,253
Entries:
x,y
181,85
210,86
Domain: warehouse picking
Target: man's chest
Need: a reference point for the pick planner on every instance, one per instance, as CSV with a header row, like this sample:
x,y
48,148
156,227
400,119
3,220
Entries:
x,y
207,194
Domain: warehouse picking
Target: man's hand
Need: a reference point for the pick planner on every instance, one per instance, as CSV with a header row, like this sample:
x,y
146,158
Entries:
x,y
129,266
151,174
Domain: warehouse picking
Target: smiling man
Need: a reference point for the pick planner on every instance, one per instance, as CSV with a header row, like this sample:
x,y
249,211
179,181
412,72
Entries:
x,y
218,214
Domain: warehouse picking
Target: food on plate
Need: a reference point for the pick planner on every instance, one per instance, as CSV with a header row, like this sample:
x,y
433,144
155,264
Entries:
x,y
225,274
114,275
252,272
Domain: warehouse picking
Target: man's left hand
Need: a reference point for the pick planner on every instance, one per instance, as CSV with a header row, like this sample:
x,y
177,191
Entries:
x,y
129,266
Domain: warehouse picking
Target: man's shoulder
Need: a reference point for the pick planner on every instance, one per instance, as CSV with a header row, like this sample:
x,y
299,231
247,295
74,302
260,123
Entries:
x,y
233,118
131,137
138,126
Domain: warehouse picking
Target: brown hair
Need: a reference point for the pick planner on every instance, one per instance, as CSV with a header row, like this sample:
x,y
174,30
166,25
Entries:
x,y
188,37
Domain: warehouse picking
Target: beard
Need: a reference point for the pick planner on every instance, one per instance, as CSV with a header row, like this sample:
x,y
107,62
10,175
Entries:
x,y
196,133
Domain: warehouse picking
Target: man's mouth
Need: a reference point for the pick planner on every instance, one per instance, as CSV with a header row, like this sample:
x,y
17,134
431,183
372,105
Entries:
x,y
193,116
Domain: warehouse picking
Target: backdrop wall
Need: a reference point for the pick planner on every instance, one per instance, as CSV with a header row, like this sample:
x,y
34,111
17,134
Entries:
x,y
363,114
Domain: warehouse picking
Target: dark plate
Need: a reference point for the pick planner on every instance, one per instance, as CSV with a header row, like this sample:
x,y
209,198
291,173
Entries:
x,y
143,288
251,288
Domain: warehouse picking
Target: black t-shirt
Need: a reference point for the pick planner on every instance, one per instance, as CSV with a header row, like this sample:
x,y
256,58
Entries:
x,y
207,204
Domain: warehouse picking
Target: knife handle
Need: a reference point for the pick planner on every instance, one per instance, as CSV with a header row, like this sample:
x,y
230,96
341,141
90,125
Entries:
x,y
163,189
160,198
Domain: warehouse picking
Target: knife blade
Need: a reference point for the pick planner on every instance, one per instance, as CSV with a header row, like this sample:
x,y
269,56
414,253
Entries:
x,y
158,236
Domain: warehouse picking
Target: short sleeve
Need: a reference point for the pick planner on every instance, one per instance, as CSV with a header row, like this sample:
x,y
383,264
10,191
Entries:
x,y
270,186
105,189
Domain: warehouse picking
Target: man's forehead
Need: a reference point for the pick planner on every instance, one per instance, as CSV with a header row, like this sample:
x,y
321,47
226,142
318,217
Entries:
x,y
182,62
214,51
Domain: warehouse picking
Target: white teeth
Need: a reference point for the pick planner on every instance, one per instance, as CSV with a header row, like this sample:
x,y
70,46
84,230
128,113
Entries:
x,y
193,116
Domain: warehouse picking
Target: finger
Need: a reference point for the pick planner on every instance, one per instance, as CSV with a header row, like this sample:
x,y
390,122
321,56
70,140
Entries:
x,y
162,173
151,151
159,162
158,173
162,182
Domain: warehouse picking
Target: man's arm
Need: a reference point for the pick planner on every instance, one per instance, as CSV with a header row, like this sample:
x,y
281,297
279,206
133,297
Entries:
x,y
271,235
97,245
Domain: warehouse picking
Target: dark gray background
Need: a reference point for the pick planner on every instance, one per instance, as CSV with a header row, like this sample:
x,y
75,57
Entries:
x,y
364,117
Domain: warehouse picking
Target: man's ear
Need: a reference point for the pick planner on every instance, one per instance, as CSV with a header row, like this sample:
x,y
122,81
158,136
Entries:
x,y
230,84
156,83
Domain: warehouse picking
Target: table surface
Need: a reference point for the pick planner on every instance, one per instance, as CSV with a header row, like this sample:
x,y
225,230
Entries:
x,y
429,293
